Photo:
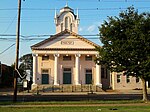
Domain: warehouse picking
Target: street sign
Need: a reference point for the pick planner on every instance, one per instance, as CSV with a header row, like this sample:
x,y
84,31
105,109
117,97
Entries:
x,y
25,83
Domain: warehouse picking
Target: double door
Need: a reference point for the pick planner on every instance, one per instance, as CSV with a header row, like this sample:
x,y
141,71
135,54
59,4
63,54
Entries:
x,y
67,76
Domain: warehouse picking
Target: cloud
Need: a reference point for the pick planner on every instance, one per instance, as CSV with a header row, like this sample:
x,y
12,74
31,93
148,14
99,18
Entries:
x,y
91,28
80,29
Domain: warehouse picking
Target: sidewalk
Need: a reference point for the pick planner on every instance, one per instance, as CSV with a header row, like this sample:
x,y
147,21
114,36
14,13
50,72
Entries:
x,y
10,92
75,105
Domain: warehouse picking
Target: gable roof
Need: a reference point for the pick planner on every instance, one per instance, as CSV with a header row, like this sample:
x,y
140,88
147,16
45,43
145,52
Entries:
x,y
61,34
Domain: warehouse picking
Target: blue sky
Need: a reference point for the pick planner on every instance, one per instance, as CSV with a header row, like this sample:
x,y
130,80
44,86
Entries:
x,y
37,18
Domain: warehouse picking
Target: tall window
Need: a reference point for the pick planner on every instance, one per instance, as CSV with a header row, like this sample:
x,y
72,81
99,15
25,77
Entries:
x,y
61,26
102,72
128,79
71,27
118,78
137,80
67,23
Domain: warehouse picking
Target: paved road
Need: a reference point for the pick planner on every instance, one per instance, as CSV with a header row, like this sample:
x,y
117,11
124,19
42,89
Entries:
x,y
72,97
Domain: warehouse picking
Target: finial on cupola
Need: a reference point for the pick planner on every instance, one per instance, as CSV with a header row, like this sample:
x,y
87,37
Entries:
x,y
77,14
66,3
55,13
78,20
55,17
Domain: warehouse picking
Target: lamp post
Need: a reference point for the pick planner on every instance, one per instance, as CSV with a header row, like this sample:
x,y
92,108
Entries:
x,y
17,52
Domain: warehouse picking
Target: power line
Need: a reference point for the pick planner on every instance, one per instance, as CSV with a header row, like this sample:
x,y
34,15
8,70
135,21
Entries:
x,y
97,8
5,32
7,48
41,35
107,0
10,24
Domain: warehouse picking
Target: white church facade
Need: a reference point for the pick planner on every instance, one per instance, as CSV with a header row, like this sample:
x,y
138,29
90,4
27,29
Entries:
x,y
67,58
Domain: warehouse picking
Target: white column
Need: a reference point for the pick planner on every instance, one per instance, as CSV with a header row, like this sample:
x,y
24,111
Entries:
x,y
77,68
35,66
98,75
113,80
56,69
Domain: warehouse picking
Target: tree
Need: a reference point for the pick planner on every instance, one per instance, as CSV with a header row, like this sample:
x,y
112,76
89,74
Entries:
x,y
26,63
126,45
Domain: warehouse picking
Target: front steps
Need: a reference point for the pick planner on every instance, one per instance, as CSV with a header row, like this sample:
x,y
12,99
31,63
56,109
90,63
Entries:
x,y
66,88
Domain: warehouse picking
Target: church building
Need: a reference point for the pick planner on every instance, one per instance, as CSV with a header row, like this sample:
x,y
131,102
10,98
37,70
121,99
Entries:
x,y
67,57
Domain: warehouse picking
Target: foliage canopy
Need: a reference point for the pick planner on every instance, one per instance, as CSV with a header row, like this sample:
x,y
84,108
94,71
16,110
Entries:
x,y
126,45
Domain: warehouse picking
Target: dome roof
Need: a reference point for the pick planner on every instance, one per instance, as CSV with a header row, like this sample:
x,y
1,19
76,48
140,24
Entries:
x,y
66,9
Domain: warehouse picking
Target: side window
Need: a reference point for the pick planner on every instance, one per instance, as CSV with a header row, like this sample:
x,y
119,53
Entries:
x,y
61,26
66,22
66,58
71,27
118,78
128,79
88,58
104,73
45,71
137,80
44,58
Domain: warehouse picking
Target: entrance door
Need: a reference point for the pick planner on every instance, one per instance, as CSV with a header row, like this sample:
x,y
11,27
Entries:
x,y
67,76
45,79
88,76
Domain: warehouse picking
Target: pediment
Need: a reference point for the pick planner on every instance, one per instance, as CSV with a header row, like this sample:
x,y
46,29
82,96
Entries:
x,y
65,40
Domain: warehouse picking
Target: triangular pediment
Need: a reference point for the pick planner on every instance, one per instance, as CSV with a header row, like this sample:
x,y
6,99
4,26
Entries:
x,y
65,40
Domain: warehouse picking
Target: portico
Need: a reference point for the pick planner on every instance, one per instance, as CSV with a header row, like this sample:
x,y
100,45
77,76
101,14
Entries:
x,y
56,65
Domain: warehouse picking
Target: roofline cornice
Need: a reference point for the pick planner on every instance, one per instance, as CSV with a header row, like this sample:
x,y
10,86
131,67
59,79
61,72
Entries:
x,y
61,34
64,49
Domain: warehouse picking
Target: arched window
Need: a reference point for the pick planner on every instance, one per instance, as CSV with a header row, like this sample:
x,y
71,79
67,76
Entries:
x,y
71,27
61,26
67,23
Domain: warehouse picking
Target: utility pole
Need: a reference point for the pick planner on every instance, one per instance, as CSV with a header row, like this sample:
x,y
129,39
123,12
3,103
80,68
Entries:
x,y
17,52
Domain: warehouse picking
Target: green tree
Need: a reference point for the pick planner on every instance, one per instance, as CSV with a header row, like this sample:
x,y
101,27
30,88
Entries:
x,y
26,63
126,45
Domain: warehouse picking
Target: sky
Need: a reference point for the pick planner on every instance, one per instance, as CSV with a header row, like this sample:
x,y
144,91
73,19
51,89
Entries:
x,y
37,21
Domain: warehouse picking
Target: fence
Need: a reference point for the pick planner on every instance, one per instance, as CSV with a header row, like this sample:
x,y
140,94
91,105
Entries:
x,y
67,88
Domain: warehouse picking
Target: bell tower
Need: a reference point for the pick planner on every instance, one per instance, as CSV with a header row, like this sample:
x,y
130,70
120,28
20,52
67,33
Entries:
x,y
66,19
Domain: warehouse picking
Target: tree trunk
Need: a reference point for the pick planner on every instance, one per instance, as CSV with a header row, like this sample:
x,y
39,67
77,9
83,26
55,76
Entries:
x,y
145,95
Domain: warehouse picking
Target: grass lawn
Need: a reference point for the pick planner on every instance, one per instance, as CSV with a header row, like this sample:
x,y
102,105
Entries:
x,y
80,106
78,109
